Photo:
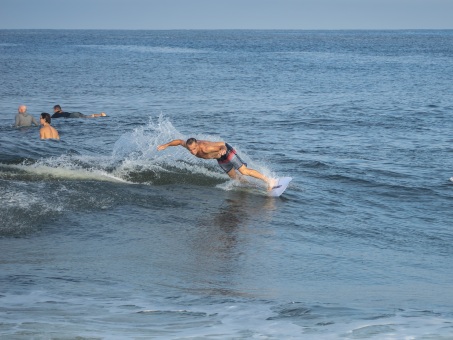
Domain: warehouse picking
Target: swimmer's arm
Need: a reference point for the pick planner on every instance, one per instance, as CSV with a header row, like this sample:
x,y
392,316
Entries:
x,y
175,142
33,120
41,134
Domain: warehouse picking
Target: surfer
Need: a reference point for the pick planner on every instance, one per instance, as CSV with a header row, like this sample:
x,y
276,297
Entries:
x,y
47,131
226,157
59,113
23,118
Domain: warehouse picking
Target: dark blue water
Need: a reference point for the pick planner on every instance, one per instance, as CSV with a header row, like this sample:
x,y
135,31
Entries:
x,y
102,236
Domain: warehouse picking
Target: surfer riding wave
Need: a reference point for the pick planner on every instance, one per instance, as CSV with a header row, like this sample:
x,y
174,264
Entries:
x,y
225,154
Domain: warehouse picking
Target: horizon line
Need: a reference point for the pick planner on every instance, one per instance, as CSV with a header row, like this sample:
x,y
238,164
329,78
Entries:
x,y
235,29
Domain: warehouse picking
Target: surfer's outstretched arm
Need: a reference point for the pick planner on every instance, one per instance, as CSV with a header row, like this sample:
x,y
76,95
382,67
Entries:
x,y
175,142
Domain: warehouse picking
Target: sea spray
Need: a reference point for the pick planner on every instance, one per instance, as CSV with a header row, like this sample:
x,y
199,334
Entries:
x,y
143,142
136,151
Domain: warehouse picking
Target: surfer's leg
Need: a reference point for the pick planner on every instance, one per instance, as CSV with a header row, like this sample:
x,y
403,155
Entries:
x,y
253,173
232,174
237,163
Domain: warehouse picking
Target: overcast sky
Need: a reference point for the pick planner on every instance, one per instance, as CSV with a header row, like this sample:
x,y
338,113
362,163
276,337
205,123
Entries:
x,y
227,14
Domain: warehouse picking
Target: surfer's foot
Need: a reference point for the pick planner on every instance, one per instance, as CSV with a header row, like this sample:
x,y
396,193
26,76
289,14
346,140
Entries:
x,y
271,184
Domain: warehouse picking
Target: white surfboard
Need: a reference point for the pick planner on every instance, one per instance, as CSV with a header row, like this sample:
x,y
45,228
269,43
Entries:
x,y
280,187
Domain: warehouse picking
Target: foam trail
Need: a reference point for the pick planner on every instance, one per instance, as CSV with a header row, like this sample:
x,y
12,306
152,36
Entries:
x,y
67,167
67,173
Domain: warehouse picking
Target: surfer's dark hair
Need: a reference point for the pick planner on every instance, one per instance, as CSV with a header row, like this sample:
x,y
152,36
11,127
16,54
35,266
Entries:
x,y
46,117
58,107
190,141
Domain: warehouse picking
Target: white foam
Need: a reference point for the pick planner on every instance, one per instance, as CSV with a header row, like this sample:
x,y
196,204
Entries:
x,y
26,200
67,171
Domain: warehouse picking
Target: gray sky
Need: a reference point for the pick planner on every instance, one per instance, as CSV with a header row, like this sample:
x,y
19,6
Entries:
x,y
227,14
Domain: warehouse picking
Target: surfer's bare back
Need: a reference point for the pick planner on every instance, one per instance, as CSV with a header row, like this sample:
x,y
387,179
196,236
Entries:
x,y
225,155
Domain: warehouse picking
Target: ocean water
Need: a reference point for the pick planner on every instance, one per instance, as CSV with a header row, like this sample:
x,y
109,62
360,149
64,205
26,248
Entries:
x,y
104,237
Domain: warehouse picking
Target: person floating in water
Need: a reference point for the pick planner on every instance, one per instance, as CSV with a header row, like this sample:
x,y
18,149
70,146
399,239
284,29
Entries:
x,y
47,131
23,118
226,157
59,113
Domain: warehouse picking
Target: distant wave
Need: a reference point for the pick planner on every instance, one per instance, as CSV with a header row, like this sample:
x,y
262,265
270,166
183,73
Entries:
x,y
9,45
145,49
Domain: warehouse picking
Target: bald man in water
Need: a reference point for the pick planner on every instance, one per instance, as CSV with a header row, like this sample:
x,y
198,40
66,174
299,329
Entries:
x,y
23,118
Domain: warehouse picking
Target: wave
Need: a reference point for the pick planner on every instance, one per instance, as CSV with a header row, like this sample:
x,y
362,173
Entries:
x,y
134,159
24,208
9,45
145,49
36,188
59,168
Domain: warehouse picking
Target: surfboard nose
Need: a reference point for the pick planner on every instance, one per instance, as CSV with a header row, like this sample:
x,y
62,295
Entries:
x,y
282,184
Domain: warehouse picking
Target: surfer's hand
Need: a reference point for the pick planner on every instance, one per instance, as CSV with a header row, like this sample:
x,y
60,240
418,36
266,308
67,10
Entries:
x,y
222,151
161,147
